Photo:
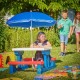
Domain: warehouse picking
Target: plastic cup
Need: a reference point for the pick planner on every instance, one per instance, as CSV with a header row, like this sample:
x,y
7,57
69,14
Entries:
x,y
40,44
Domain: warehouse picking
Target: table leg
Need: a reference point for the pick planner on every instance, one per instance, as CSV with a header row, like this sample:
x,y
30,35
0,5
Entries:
x,y
48,64
39,69
12,69
46,58
19,57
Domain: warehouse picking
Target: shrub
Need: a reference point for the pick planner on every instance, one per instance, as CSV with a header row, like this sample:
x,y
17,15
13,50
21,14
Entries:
x,y
20,37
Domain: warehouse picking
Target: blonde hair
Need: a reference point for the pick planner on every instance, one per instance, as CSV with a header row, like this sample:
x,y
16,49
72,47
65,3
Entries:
x,y
65,11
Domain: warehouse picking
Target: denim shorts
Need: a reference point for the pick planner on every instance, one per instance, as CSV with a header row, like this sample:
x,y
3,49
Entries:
x,y
64,38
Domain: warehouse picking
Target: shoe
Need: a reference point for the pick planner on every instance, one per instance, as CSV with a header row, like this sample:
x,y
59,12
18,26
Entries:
x,y
64,54
61,54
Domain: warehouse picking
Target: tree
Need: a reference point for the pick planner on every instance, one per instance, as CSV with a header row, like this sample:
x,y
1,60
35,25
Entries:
x,y
2,36
17,6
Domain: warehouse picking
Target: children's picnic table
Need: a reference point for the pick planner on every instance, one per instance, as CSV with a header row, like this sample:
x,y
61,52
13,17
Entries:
x,y
43,66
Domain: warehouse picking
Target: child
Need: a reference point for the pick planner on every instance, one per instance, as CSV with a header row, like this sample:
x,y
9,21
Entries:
x,y
41,42
77,30
65,31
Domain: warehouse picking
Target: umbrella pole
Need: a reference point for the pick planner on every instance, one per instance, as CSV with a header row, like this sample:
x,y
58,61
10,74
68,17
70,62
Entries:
x,y
32,43
31,35
31,29
17,38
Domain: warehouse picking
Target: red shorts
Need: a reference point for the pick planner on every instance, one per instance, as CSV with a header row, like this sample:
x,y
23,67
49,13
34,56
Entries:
x,y
77,33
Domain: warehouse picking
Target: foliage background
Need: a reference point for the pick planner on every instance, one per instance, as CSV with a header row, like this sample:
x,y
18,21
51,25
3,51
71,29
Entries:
x,y
20,37
17,37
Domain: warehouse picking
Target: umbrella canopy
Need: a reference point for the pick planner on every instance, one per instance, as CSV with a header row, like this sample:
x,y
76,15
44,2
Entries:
x,y
31,19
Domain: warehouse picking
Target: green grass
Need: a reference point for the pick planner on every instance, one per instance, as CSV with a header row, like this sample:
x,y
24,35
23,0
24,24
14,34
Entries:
x,y
71,58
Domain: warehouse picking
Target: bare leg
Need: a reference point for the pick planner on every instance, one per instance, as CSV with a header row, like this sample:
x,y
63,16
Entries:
x,y
62,47
65,48
77,41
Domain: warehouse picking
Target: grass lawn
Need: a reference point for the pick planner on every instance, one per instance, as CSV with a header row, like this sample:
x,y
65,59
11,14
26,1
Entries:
x,y
71,58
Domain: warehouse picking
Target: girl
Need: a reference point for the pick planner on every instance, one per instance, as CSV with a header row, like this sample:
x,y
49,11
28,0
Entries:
x,y
41,42
77,30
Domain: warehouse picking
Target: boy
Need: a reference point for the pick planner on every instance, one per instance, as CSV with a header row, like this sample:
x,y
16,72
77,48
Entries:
x,y
65,31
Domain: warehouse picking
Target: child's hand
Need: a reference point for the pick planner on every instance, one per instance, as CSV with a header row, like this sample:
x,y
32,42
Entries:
x,y
31,46
60,26
40,46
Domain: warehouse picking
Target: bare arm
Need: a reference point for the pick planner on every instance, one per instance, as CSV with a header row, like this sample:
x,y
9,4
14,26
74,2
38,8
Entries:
x,y
74,26
70,32
60,26
43,46
34,46
47,45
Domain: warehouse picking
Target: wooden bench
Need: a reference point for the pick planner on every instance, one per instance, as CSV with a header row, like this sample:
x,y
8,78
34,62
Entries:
x,y
24,64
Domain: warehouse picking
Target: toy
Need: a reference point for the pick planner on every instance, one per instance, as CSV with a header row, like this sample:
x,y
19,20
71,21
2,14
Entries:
x,y
51,76
61,73
1,61
74,70
5,58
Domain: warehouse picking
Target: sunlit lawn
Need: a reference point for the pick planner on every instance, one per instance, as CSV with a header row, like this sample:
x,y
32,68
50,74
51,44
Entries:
x,y
71,58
